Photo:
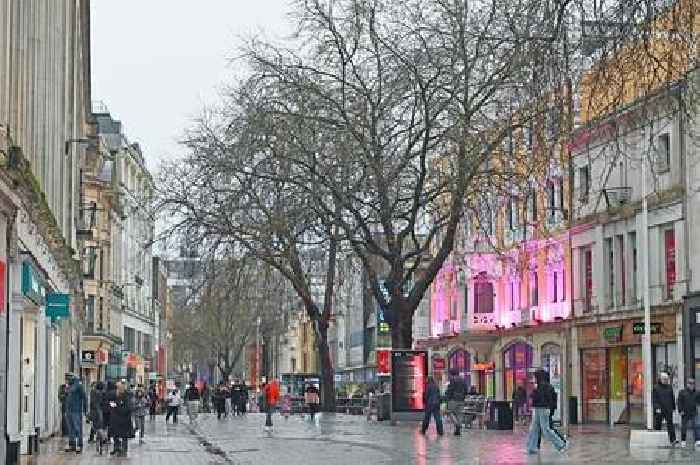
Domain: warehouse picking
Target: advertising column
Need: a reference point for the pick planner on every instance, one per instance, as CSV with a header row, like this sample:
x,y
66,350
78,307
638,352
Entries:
x,y
409,370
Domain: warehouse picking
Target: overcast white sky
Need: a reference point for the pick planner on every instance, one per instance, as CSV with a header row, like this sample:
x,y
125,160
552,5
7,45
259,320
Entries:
x,y
156,62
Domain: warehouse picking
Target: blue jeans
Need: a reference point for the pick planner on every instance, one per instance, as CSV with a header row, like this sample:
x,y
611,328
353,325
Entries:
x,y
693,422
75,429
433,411
540,424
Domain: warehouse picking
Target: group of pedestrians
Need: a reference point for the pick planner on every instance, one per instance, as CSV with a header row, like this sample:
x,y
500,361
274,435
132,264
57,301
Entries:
x,y
664,404
114,410
544,403
230,399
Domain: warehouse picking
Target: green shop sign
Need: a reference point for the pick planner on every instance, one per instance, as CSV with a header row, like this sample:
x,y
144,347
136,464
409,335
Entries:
x,y
57,306
638,328
613,334
32,284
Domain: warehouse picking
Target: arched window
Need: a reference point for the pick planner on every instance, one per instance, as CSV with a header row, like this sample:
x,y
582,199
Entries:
x,y
483,294
460,360
517,363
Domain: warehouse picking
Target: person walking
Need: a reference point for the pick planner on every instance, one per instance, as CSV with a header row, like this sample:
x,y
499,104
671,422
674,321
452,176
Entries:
x,y
541,403
664,403
455,395
109,396
120,421
688,408
235,396
270,395
431,401
76,407
173,405
192,399
152,401
312,400
95,410
219,399
62,394
554,404
140,409
519,402
243,402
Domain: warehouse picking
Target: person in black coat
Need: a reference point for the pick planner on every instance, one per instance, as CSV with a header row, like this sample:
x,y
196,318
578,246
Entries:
x,y
220,400
664,404
236,394
120,421
688,408
541,408
431,400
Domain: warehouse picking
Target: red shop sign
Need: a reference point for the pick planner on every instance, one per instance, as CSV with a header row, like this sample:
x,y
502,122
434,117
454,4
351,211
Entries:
x,y
383,362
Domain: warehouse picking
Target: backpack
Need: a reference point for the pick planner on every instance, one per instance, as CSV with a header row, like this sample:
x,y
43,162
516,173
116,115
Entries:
x,y
552,401
458,390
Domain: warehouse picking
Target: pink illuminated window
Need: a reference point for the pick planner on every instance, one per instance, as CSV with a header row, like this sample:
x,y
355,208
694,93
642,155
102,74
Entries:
x,y
555,286
534,291
483,294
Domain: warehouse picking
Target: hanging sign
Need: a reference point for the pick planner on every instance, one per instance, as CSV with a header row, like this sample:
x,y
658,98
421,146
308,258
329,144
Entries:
x,y
57,306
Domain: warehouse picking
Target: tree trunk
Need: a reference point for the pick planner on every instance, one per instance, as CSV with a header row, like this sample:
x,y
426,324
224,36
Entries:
x,y
402,326
327,374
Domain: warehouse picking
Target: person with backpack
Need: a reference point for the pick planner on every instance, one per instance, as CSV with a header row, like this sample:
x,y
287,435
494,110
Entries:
x,y
553,405
455,395
541,407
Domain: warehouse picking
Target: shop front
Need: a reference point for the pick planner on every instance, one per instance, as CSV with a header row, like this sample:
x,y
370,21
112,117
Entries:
x,y
612,370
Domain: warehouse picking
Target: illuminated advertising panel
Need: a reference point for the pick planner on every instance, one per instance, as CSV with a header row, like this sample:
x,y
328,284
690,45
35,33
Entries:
x,y
409,371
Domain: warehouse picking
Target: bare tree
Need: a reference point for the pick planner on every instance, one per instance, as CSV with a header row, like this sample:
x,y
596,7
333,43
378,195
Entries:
x,y
221,322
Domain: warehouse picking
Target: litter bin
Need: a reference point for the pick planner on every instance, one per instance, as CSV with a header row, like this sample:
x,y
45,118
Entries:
x,y
500,415
383,407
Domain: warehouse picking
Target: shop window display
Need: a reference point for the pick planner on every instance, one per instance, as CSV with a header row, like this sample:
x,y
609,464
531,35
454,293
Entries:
x,y
460,360
595,385
517,363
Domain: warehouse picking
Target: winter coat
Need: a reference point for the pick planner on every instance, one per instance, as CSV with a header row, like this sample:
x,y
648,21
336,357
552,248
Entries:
x,y
688,402
76,400
431,396
140,406
192,394
120,417
95,415
236,393
544,396
457,389
520,395
173,400
663,398
107,397
220,399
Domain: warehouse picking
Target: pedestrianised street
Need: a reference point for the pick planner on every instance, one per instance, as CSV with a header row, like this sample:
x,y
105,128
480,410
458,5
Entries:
x,y
348,440
399,232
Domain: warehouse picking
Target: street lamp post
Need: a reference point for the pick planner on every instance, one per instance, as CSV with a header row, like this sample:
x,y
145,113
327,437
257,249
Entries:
x,y
257,351
646,338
